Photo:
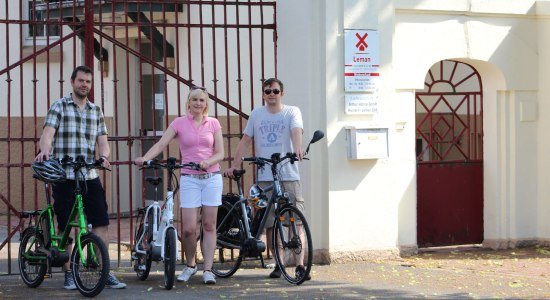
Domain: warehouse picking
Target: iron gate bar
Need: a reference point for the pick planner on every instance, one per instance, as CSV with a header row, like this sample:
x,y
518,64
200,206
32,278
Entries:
x,y
38,52
167,71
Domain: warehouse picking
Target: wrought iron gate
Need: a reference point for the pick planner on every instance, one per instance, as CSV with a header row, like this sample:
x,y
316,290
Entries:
x,y
146,54
449,149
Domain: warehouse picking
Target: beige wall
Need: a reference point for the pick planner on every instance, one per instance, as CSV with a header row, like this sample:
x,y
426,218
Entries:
x,y
503,40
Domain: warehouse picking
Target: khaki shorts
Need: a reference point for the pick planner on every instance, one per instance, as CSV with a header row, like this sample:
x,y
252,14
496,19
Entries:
x,y
294,191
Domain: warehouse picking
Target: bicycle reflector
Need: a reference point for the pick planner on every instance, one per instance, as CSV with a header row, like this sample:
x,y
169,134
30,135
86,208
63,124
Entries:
x,y
49,171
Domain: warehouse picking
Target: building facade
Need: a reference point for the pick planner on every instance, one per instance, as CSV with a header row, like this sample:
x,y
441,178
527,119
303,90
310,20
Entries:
x,y
359,203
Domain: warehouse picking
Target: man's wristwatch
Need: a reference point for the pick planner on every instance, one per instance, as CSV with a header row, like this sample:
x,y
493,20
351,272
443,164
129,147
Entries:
x,y
104,157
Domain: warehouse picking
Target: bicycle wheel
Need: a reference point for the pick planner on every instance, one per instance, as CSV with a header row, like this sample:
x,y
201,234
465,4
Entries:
x,y
142,262
292,245
230,239
32,268
170,257
92,268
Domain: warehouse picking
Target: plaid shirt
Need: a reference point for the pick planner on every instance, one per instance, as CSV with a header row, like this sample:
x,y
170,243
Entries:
x,y
76,131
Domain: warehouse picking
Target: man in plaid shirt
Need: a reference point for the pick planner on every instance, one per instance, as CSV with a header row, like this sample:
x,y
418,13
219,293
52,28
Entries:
x,y
72,127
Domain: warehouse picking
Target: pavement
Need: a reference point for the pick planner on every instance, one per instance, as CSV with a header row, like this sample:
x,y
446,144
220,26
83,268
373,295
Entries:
x,y
445,273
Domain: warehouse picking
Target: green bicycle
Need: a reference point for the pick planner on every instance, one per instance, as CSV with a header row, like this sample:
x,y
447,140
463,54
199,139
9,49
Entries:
x,y
41,249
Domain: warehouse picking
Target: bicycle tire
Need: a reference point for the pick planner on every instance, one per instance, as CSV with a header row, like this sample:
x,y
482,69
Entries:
x,y
96,263
288,245
228,259
170,257
32,271
142,259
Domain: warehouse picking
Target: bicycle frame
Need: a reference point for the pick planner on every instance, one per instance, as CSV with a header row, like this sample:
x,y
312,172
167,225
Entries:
x,y
241,204
166,222
159,229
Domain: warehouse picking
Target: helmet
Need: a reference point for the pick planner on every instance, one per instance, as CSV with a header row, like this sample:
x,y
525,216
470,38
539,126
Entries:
x,y
49,171
257,196
255,191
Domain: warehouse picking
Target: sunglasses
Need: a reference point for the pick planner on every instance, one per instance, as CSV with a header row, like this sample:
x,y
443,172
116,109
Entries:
x,y
268,91
197,88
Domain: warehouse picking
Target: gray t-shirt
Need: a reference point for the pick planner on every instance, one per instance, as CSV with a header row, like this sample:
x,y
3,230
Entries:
x,y
272,134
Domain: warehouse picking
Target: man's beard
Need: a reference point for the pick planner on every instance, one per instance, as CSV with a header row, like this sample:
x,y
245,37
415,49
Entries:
x,y
79,94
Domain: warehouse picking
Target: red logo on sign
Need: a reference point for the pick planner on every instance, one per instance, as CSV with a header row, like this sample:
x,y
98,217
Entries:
x,y
362,44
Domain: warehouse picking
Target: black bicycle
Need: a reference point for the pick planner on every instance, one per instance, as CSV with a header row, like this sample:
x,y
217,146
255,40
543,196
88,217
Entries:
x,y
238,232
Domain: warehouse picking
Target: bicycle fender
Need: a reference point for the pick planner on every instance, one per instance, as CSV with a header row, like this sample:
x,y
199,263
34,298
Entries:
x,y
162,242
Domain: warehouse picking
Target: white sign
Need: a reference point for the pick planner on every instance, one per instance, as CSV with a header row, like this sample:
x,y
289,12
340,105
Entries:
x,y
361,104
159,101
361,60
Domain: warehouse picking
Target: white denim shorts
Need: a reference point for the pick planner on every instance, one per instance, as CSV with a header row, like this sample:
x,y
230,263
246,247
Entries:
x,y
197,192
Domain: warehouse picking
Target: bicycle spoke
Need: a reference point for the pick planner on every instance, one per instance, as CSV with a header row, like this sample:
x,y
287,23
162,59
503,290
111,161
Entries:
x,y
32,267
90,266
230,237
293,247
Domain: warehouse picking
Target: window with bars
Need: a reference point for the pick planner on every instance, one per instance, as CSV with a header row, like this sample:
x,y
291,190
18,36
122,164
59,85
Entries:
x,y
39,28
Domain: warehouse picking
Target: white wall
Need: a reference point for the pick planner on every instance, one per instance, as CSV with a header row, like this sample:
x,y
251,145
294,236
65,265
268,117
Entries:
x,y
543,159
371,204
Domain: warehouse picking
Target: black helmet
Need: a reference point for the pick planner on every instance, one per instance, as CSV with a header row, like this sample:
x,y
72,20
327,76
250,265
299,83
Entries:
x,y
49,171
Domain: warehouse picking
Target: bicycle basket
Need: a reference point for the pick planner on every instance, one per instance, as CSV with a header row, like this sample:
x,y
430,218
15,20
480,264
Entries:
x,y
49,171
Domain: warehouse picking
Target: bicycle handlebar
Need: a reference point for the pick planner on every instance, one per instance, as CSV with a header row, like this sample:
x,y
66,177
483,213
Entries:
x,y
274,160
80,163
171,164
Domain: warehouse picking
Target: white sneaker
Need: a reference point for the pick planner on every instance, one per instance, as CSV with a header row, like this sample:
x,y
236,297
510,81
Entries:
x,y
187,273
271,264
208,277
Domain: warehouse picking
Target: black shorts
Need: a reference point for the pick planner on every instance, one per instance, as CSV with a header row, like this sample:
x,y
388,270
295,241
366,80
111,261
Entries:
x,y
93,196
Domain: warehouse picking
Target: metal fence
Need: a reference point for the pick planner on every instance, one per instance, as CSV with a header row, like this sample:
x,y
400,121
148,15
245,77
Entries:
x,y
145,54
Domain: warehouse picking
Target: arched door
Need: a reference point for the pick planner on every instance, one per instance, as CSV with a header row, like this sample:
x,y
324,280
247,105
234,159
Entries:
x,y
449,155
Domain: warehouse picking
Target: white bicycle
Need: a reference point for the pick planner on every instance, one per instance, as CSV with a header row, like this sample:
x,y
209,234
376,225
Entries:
x,y
156,237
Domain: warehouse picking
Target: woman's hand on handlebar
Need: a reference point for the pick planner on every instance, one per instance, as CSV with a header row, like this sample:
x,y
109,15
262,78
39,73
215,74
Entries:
x,y
139,161
229,172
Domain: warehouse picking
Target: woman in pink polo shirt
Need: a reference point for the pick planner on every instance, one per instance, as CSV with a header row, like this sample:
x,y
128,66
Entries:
x,y
200,140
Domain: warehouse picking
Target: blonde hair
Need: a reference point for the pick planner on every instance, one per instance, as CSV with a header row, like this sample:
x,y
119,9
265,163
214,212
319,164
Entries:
x,y
195,94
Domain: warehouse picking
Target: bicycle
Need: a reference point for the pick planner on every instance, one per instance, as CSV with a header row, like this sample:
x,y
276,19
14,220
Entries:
x,y
238,233
156,237
41,249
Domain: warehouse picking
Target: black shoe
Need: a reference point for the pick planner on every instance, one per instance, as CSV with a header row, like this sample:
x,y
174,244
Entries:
x,y
276,273
300,270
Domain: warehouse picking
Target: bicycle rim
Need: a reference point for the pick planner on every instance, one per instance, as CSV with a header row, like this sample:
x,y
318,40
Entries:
x,y
230,238
170,258
142,262
32,270
292,245
92,268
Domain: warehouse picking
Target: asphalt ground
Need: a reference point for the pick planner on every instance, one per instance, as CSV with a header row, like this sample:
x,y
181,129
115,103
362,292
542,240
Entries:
x,y
471,273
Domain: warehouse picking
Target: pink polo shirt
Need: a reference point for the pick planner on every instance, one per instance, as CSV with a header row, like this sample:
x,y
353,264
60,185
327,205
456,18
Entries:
x,y
196,144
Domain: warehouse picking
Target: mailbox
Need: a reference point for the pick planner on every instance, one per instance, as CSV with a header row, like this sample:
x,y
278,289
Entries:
x,y
367,143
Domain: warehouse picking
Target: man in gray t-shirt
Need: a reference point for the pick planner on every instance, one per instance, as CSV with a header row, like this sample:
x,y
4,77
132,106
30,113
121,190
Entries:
x,y
274,128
